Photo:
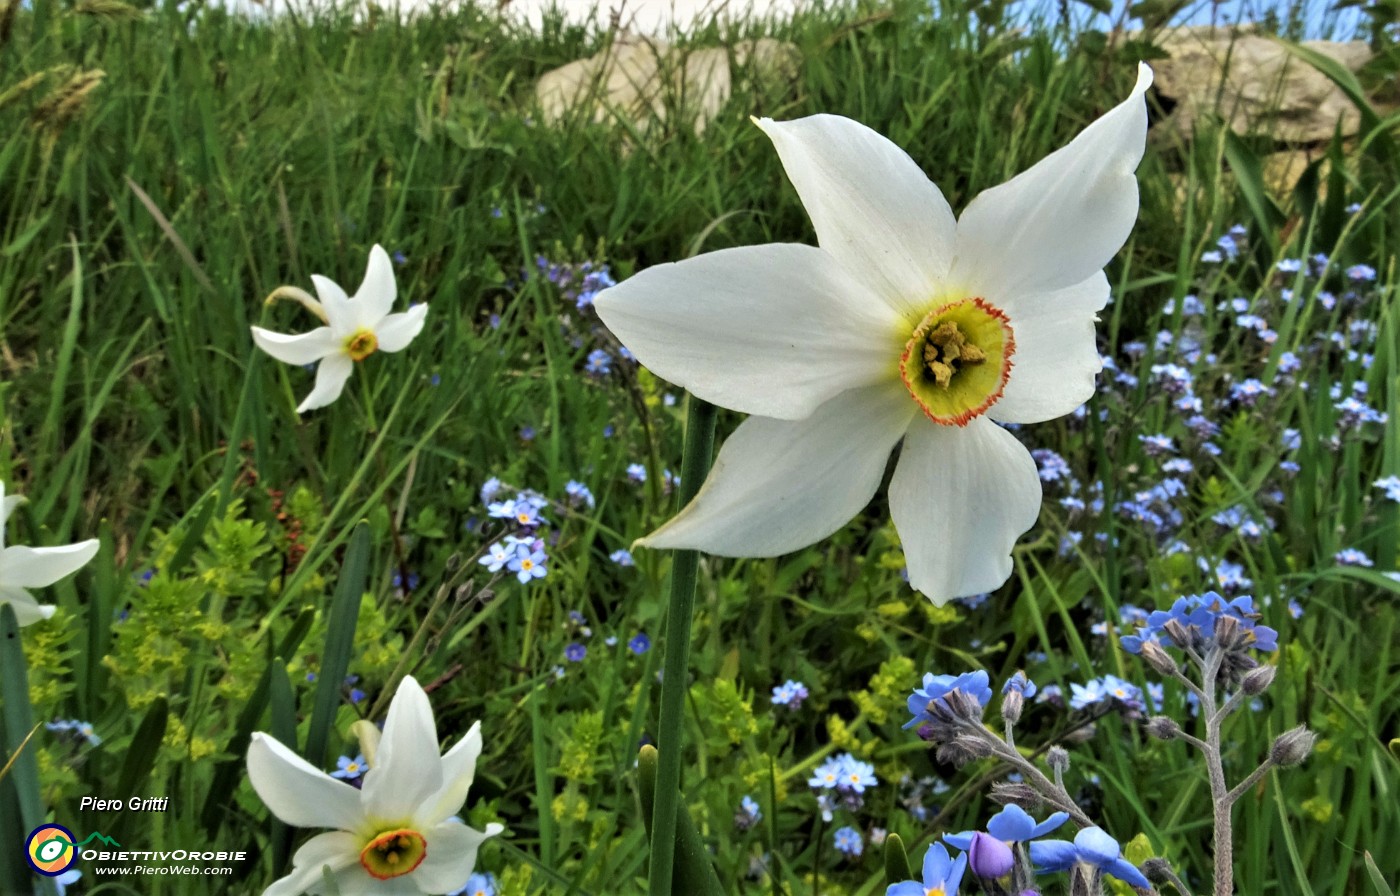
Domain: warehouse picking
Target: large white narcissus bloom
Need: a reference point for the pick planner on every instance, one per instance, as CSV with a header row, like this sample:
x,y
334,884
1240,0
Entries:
x,y
22,567
356,327
397,834
906,324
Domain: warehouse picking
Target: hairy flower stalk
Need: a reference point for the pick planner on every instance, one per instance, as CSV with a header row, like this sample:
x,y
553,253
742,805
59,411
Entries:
x,y
1218,637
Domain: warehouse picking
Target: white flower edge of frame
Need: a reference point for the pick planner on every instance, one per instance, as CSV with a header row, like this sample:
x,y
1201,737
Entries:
x,y
369,310
807,341
409,786
23,567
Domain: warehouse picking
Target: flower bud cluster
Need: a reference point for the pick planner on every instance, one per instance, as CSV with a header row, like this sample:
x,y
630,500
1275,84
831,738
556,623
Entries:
x,y
1202,624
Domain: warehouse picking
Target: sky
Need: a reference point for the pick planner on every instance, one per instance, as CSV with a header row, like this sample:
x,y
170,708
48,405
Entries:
x,y
656,16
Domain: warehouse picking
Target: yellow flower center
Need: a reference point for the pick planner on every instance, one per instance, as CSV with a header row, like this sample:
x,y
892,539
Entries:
x,y
360,346
394,853
958,359
527,564
935,891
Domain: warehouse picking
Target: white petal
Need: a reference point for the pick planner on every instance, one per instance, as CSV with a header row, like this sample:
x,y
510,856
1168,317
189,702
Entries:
x,y
355,882
1055,224
375,297
773,330
337,849
305,348
871,205
297,792
8,503
335,369
1057,356
340,314
397,330
451,857
458,771
780,485
27,567
960,497
27,609
407,770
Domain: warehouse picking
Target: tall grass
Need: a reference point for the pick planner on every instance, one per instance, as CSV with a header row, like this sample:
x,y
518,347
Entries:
x,y
146,212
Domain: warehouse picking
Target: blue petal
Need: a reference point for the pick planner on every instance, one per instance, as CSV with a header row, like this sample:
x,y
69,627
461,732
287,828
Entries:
x,y
1011,824
1127,872
1053,855
961,841
1049,825
1096,847
936,865
955,874
906,888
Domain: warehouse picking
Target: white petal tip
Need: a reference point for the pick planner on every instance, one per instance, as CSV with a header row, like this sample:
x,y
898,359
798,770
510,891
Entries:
x,y
1144,78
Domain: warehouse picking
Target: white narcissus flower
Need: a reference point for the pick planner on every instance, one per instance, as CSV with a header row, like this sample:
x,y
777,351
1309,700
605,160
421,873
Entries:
x,y
356,327
397,834
22,568
906,324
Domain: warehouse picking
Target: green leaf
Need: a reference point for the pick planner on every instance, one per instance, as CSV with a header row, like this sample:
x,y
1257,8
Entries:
x,y
1375,874
897,868
20,806
693,873
284,728
26,236
141,758
1249,175
340,637
1373,130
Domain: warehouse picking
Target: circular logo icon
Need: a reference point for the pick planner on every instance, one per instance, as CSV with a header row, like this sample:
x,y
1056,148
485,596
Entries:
x,y
49,849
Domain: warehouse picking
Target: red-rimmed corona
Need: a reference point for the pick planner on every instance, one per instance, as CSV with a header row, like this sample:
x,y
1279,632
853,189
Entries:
x,y
958,360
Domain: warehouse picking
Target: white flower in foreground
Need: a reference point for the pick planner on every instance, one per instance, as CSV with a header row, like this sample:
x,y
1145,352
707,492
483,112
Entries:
x,y
904,324
22,568
356,328
396,834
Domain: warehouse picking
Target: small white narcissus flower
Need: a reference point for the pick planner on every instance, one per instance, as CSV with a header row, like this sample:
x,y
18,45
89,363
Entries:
x,y
22,568
397,833
906,324
356,327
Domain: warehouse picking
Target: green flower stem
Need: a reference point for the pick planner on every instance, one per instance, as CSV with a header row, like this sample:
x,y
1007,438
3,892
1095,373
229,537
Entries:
x,y
695,464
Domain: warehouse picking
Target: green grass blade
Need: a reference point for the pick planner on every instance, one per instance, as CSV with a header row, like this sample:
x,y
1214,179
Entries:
x,y
284,728
340,636
136,770
19,789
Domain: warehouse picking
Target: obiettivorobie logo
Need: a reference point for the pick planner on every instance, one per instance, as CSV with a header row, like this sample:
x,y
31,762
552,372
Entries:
x,y
51,848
